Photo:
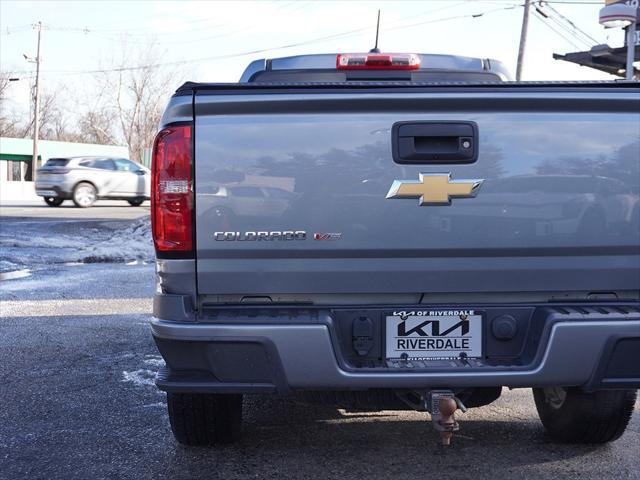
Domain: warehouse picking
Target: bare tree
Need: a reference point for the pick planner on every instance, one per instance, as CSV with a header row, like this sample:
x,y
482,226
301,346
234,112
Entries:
x,y
61,121
4,85
51,120
123,105
97,126
140,95
9,121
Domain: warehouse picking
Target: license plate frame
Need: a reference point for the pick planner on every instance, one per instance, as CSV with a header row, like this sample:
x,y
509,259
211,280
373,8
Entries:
x,y
433,333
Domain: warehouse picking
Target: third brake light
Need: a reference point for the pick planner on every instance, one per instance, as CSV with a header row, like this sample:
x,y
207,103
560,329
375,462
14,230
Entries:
x,y
378,61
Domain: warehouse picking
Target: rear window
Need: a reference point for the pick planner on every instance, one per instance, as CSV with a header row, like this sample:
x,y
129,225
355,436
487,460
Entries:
x,y
317,75
56,162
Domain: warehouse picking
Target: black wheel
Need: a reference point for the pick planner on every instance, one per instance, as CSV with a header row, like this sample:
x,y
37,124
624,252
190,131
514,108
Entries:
x,y
84,195
136,202
205,419
53,201
572,416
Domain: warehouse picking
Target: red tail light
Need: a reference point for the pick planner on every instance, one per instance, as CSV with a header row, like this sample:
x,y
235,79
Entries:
x,y
378,61
171,190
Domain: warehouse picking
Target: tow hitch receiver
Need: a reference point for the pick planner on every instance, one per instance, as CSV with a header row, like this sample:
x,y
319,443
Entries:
x,y
443,405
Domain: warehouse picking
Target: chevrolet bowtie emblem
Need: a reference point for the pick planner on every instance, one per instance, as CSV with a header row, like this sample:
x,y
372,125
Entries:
x,y
434,188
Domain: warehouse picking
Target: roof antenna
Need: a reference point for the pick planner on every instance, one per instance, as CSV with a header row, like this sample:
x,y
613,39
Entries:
x,y
375,49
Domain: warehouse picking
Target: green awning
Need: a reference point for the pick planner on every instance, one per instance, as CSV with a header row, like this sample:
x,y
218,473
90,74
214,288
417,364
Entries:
x,y
15,157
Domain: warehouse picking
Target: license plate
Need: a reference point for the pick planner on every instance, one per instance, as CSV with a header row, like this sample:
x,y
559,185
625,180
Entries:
x,y
434,334
46,193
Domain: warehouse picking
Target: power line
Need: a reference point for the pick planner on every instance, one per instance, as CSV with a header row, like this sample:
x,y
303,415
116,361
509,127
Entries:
x,y
572,33
456,17
136,30
562,35
578,2
18,29
566,2
107,32
298,7
216,57
325,38
279,6
137,33
107,36
554,29
569,22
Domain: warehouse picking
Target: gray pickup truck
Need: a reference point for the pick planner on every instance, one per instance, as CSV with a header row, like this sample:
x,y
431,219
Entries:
x,y
398,231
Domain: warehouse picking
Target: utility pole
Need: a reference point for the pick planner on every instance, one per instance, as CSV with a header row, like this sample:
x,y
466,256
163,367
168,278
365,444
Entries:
x,y
36,112
523,39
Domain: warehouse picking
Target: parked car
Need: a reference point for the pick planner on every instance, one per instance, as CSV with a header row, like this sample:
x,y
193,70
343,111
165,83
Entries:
x,y
87,179
422,261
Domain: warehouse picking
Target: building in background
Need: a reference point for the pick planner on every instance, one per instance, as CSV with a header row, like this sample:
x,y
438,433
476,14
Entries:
x,y
16,155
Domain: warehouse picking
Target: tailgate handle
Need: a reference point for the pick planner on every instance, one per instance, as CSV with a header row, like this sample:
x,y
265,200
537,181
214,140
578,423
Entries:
x,y
434,142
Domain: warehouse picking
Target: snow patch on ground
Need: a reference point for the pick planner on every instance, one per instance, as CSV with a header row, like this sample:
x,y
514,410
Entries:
x,y
126,242
131,244
140,378
155,405
154,361
14,274
8,266
43,242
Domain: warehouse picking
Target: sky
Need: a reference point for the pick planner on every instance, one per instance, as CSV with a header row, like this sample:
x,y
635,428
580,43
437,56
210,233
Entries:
x,y
213,40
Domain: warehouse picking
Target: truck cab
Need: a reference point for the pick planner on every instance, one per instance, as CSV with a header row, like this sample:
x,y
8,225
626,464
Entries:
x,y
326,68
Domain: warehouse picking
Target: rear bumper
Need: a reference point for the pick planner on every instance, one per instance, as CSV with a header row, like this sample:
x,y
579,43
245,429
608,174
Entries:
x,y
592,350
52,190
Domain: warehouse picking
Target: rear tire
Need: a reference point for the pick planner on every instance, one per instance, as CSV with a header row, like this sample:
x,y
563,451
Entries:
x,y
53,201
136,202
572,416
205,419
84,195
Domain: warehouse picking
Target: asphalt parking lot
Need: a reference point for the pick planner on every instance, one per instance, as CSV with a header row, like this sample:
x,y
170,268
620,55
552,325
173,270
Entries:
x,y
77,367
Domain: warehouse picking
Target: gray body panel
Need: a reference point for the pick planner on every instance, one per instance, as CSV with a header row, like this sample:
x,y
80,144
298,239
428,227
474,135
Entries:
x,y
558,210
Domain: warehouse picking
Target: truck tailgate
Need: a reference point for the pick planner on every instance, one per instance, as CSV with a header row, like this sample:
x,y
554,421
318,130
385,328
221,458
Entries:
x,y
292,182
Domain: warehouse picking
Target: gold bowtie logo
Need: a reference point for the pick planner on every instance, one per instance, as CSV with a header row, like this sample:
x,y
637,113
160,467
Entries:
x,y
434,188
